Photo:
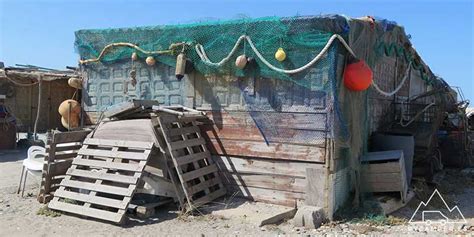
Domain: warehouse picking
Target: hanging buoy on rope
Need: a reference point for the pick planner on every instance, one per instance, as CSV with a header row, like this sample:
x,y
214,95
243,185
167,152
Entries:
x,y
357,75
71,122
180,66
280,54
134,56
69,106
75,82
241,61
150,60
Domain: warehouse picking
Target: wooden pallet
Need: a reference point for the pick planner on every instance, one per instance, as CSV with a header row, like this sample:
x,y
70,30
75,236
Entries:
x,y
197,172
61,149
102,179
131,109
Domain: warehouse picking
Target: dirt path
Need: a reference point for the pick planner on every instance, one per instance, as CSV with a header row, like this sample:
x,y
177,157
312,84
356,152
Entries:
x,y
18,218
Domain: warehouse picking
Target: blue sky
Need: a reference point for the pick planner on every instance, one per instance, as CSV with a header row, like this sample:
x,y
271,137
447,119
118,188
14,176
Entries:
x,y
42,32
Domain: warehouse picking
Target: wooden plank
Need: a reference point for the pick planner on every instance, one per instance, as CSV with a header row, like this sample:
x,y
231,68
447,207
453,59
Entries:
x,y
278,218
275,182
381,177
278,197
108,202
384,187
303,136
103,176
203,185
281,120
209,197
127,130
68,148
187,143
62,155
58,167
182,160
115,154
389,167
118,143
98,187
199,172
80,210
121,108
73,136
316,183
110,165
182,131
254,165
225,147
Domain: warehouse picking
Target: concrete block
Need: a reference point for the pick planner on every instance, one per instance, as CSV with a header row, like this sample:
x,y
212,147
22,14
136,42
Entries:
x,y
309,217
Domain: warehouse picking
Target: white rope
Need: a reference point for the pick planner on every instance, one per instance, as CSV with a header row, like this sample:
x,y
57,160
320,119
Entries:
x,y
388,94
415,117
202,54
40,80
21,84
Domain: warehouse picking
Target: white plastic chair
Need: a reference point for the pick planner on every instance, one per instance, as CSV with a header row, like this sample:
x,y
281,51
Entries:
x,y
33,165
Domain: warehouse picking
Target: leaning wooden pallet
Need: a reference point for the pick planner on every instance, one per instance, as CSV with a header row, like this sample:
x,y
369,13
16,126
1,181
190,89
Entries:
x,y
102,179
61,148
196,170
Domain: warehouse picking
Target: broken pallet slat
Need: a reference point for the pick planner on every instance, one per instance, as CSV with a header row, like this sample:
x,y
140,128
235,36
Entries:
x,y
102,176
98,187
110,165
116,154
81,210
187,143
119,143
127,108
199,172
182,160
90,199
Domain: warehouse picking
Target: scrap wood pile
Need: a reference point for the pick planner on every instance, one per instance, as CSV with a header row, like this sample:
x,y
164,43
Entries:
x,y
140,156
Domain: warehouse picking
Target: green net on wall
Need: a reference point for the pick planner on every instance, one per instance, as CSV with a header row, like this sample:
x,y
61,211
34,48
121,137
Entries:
x,y
302,38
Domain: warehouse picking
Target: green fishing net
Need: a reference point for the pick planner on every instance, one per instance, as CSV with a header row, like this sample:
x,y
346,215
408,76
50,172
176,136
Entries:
x,y
302,38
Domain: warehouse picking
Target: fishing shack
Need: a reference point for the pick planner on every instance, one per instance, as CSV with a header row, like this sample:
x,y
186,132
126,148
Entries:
x,y
290,108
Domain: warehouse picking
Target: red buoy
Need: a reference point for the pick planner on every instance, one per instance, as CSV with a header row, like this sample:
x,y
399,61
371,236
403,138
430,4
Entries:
x,y
357,76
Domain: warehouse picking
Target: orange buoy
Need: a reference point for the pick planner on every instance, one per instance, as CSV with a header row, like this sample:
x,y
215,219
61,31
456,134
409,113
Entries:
x,y
69,105
71,122
357,76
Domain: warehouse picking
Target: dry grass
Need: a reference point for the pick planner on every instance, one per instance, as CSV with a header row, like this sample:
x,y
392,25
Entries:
x,y
47,212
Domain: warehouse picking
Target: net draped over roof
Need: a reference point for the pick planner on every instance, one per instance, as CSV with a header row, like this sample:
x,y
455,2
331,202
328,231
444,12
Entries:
x,y
301,37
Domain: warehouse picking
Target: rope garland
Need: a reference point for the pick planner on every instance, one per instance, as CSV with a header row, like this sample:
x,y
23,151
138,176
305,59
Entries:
x,y
108,47
202,54
388,94
199,48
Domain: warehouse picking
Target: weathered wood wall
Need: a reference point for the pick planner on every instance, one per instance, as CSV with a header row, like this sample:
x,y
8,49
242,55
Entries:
x,y
24,104
296,124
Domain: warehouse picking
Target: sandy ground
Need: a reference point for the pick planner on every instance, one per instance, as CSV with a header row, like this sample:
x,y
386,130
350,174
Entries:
x,y
18,217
